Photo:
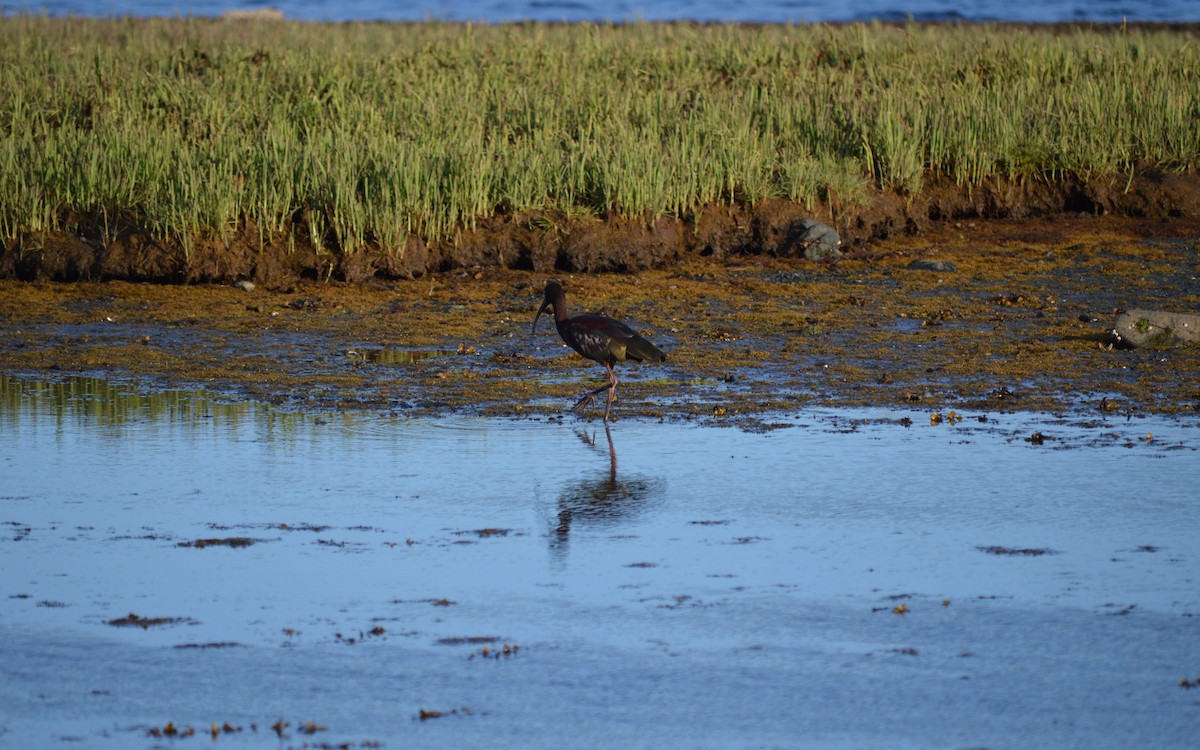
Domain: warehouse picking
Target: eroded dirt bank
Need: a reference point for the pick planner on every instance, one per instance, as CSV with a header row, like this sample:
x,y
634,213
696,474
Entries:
x,y
546,243
1013,315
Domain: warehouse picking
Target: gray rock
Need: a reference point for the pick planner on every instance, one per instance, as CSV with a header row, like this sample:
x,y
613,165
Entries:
x,y
941,266
813,240
1157,329
245,286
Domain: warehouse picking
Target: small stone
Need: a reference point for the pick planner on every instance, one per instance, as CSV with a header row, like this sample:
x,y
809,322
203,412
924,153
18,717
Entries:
x,y
245,286
940,266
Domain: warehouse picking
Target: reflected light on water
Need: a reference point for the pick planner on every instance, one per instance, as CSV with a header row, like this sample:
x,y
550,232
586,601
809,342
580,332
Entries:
x,y
739,569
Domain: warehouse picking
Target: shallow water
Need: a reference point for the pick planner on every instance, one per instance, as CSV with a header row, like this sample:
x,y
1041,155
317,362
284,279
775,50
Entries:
x,y
694,587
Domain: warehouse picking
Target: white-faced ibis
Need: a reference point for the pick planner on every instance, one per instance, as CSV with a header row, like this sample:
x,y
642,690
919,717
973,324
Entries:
x,y
596,337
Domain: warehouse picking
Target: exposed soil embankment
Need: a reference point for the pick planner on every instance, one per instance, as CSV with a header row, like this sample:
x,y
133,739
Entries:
x,y
546,242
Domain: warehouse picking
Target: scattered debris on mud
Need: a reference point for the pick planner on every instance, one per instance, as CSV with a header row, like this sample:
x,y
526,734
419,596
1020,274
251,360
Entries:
x,y
1019,317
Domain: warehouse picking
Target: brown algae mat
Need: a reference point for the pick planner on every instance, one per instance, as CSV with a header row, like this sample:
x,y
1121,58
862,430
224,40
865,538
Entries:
x,y
969,316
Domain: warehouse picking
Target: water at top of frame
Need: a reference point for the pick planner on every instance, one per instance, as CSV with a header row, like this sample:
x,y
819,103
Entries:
x,y
790,11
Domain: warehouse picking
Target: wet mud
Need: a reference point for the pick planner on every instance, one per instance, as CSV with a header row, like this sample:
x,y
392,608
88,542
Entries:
x,y
1012,315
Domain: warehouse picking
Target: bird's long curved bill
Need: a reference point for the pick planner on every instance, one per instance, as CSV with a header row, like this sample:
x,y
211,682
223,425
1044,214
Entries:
x,y
541,310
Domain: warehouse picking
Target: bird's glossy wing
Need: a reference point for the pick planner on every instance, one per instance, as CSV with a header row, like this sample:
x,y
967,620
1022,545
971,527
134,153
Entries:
x,y
617,339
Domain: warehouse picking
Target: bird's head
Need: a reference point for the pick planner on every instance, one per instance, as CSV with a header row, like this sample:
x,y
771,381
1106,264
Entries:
x,y
553,296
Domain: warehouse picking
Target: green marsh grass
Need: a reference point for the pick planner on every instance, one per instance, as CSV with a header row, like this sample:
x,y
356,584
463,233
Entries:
x,y
353,134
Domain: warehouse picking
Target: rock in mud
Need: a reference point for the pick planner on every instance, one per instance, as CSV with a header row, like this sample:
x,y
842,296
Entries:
x,y
940,266
813,240
1157,329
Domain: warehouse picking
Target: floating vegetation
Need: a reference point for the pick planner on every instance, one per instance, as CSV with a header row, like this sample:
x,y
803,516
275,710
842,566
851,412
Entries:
x,y
485,533
426,714
220,644
376,632
234,542
467,640
504,651
1017,551
145,623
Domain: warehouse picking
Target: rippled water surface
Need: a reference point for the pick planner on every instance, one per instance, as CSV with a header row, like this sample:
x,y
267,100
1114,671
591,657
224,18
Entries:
x,y
855,579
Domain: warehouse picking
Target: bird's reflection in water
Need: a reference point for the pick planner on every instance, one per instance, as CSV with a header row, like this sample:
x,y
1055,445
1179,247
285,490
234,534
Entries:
x,y
599,501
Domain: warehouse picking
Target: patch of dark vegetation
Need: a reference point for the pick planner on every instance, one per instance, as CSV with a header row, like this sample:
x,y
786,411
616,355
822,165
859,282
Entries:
x,y
20,532
376,632
679,601
51,604
172,731
1116,610
709,523
471,640
434,602
642,565
219,644
235,542
427,714
301,527
485,533
501,652
1017,551
145,623
748,539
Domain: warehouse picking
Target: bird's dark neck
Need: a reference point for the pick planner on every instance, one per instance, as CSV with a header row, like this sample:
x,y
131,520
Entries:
x,y
560,309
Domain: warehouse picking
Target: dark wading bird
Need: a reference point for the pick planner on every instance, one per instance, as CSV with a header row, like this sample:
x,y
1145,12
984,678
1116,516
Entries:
x,y
596,337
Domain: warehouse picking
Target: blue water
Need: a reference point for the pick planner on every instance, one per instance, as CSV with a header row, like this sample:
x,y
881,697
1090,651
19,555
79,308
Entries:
x,y
768,11
666,585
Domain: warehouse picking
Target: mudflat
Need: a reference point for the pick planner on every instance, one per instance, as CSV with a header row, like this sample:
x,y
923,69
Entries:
x,y
986,314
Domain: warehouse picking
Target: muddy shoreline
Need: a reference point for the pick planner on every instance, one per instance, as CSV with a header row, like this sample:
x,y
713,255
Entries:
x,y
545,242
1018,319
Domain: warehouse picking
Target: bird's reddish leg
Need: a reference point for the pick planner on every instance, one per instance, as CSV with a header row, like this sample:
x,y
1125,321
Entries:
x,y
590,396
612,391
